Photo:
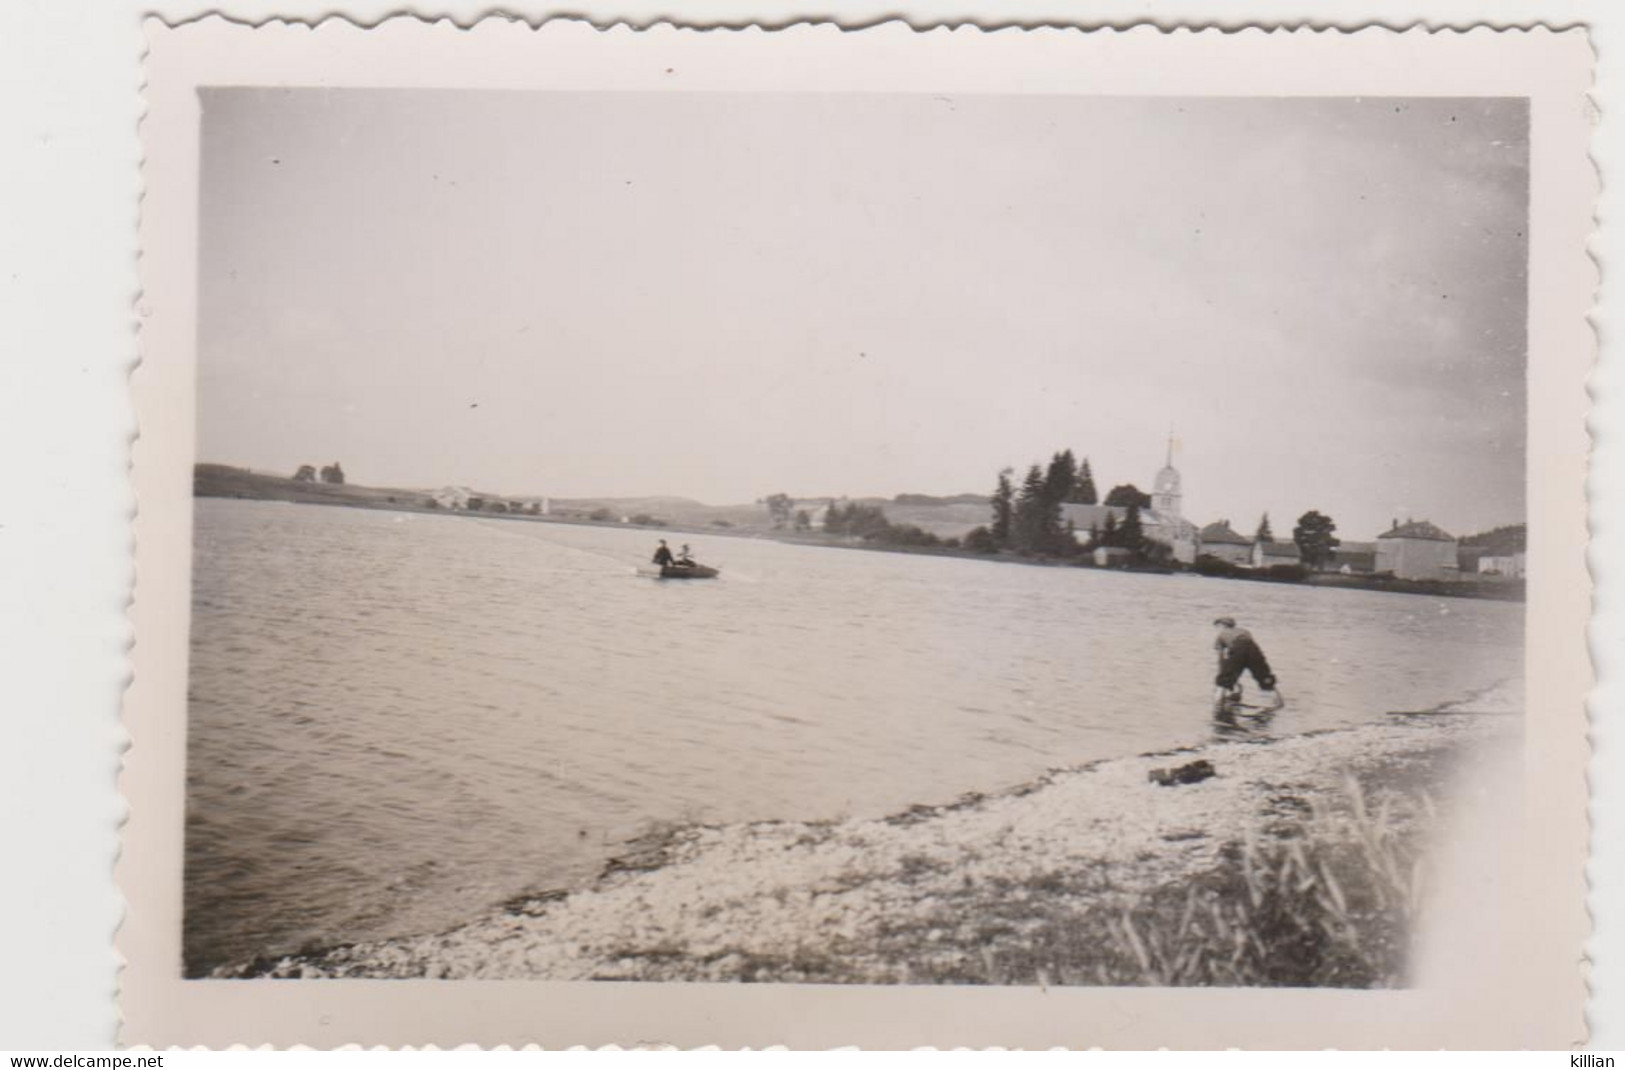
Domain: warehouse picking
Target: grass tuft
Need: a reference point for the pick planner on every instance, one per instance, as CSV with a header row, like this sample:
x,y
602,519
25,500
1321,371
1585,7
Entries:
x,y
1333,907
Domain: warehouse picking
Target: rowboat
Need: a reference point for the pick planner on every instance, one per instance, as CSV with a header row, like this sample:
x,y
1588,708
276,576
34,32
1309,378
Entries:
x,y
688,572
680,572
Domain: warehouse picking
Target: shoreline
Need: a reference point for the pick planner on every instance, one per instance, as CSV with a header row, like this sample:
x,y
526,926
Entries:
x,y
381,500
1019,886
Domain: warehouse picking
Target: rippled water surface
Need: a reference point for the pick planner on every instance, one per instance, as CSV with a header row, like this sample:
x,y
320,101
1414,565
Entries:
x,y
399,719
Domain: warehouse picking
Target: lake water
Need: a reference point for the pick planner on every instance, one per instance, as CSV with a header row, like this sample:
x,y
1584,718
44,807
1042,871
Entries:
x,y
398,720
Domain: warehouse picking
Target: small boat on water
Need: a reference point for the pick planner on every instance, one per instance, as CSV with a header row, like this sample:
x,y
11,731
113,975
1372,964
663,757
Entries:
x,y
670,566
688,572
680,572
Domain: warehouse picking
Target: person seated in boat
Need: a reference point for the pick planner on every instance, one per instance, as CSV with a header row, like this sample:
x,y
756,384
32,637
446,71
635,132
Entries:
x,y
663,554
684,558
1239,652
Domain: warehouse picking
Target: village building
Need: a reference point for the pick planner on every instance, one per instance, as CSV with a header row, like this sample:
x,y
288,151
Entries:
x,y
1268,553
1506,566
452,497
1110,556
1220,540
1418,550
1352,558
1166,521
1163,522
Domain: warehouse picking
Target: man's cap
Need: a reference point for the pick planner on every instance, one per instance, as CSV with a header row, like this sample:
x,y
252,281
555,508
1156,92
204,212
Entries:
x,y
1228,622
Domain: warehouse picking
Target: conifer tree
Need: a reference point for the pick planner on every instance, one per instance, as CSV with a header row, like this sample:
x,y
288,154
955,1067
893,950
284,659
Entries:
x,y
1060,480
1003,510
1084,492
1264,533
1028,529
1131,535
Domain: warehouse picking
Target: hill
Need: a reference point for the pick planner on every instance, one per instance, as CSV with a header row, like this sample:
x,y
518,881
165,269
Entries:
x,y
1501,541
946,517
224,481
947,499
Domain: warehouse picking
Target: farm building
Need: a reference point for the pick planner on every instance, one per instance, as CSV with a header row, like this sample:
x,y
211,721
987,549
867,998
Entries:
x,y
1267,554
1353,558
1508,566
452,497
1222,541
1418,550
1108,556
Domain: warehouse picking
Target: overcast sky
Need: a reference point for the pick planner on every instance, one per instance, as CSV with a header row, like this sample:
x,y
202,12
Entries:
x,y
724,296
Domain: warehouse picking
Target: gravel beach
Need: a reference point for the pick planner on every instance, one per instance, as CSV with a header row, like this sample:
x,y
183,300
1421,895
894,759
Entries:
x,y
946,893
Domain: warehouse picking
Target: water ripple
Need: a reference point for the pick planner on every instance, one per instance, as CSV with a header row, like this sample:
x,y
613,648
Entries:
x,y
393,725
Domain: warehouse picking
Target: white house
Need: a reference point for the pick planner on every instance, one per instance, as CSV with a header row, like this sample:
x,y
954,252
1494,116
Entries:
x,y
1265,554
1417,550
1510,566
1220,540
452,497
1111,556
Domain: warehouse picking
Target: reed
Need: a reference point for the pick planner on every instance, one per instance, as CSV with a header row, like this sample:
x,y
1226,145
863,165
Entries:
x,y
1333,907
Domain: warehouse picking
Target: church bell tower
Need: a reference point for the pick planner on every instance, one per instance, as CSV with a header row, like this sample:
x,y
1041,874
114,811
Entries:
x,y
1165,492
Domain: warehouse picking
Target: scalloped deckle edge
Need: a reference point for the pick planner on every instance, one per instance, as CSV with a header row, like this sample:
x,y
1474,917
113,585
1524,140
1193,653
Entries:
x,y
790,1012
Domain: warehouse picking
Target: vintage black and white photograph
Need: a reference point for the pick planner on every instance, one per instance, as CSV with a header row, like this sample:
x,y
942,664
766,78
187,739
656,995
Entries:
x,y
855,539
1021,540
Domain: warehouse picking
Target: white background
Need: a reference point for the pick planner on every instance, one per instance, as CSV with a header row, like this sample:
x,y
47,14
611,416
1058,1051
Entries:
x,y
69,107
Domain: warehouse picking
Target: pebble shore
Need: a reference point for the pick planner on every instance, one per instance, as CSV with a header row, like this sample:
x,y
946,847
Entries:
x,y
908,896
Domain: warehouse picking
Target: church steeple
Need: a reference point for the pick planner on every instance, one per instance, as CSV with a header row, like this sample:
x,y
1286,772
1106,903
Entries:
x,y
1165,492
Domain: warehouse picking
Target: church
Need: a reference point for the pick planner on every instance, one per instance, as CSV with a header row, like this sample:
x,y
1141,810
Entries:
x,y
1164,522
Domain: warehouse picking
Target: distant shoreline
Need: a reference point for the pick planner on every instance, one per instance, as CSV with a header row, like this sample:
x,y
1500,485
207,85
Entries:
x,y
221,481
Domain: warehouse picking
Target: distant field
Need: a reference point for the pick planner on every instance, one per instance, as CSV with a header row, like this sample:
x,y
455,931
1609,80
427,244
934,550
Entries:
x,y
946,517
947,521
223,481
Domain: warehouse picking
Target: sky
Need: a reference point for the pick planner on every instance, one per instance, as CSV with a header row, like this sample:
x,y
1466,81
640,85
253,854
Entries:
x,y
724,296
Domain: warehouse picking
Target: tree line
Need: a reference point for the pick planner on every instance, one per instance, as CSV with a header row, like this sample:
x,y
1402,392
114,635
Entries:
x,y
1501,541
869,523
331,473
1031,522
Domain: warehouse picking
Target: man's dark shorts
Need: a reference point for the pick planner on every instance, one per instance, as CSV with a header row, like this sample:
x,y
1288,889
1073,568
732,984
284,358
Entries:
x,y
1244,655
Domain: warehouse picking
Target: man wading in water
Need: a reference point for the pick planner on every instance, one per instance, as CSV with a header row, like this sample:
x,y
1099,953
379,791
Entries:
x,y
1239,652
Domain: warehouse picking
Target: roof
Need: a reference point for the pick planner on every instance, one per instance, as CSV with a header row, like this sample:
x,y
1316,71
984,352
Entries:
x,y
1418,529
1220,531
1281,549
